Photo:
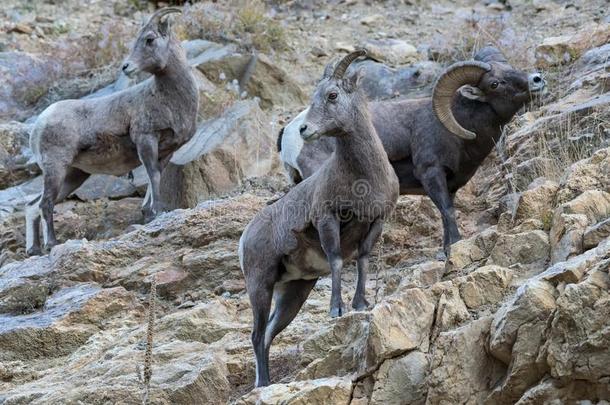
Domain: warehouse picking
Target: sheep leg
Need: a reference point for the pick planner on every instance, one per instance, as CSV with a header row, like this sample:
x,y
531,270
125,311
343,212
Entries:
x,y
74,178
260,299
359,303
330,239
32,229
289,298
148,151
53,180
435,183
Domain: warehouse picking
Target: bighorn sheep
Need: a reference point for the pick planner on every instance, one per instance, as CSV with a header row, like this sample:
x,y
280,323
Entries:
x,y
146,123
324,221
435,144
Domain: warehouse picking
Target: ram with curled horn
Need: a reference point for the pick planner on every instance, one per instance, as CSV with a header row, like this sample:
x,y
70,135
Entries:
x,y
143,124
435,144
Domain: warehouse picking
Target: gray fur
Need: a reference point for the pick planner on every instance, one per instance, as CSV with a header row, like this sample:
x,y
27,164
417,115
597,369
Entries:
x,y
427,157
331,217
144,124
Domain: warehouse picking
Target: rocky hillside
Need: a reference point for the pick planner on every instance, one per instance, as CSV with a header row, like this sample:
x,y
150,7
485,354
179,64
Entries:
x,y
520,312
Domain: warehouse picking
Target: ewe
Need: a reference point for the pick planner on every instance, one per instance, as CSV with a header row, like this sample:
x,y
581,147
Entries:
x,y
144,124
326,220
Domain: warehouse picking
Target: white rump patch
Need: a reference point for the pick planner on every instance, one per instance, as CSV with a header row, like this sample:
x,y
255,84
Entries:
x,y
292,143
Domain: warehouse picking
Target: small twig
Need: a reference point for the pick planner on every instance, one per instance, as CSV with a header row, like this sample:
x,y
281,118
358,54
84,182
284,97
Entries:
x,y
149,340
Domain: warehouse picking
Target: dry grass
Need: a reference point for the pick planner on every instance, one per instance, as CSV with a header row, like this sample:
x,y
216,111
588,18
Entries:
x,y
250,26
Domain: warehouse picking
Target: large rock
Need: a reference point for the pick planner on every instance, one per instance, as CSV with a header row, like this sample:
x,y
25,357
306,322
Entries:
x,y
392,51
571,220
532,304
326,391
256,74
401,381
529,248
579,339
594,234
588,174
15,154
486,285
460,366
220,156
400,323
25,79
537,202
567,48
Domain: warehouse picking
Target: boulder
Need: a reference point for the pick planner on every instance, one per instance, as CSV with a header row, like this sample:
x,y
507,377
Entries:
x,y
594,234
451,310
15,155
567,48
588,174
256,74
460,367
486,285
26,78
529,248
105,186
392,51
579,338
533,303
333,390
65,322
400,323
571,220
401,380
537,203
220,156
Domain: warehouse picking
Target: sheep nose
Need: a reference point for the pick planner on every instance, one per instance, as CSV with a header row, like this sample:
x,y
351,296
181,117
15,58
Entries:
x,y
125,66
302,128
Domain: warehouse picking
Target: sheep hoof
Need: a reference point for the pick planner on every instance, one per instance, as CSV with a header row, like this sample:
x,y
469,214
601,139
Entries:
x,y
49,245
336,312
361,304
34,251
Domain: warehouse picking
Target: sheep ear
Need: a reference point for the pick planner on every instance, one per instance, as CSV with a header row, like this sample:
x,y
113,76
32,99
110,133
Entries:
x,y
354,79
472,93
165,27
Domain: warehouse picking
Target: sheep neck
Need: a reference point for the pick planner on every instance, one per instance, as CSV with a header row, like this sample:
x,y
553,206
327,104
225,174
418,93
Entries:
x,y
359,149
177,76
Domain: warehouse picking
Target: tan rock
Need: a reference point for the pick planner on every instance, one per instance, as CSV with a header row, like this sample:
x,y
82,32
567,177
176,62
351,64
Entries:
x,y
401,381
533,303
460,366
571,220
567,48
400,323
588,174
221,155
451,310
594,234
486,285
528,248
537,203
578,342
391,51
326,391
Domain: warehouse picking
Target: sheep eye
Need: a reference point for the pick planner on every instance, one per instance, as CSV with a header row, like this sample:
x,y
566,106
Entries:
x,y
494,85
332,96
149,41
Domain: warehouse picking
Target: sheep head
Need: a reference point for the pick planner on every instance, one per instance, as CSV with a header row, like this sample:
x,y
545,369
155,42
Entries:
x,y
487,79
151,49
333,102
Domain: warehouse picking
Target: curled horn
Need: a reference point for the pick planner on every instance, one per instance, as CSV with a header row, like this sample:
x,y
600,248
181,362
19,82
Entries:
x,y
345,62
329,69
453,78
156,17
